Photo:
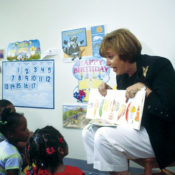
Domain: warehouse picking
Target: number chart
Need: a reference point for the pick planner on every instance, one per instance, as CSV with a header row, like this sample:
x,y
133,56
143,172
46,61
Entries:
x,y
29,83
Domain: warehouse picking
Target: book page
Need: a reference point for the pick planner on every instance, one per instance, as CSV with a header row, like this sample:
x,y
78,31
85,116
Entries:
x,y
113,109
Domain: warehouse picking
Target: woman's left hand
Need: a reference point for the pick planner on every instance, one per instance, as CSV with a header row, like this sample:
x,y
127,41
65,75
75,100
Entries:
x,y
132,90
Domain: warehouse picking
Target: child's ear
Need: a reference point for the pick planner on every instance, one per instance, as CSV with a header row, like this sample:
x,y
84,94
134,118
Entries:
x,y
10,136
61,151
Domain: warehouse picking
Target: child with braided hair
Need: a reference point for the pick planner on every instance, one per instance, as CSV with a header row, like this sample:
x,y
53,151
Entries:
x,y
21,145
3,105
6,104
13,129
46,149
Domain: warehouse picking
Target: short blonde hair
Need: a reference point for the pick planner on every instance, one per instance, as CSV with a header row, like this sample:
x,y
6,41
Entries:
x,y
124,43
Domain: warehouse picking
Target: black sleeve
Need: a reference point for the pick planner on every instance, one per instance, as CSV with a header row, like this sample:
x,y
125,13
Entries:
x,y
161,101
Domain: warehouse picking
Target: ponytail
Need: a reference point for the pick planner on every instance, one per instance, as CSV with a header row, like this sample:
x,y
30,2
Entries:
x,y
8,120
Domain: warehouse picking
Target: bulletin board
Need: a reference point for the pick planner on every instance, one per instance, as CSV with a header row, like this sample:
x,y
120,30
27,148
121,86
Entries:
x,y
29,83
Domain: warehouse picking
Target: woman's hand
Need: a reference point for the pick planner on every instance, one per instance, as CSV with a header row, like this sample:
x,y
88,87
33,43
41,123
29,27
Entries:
x,y
132,90
103,89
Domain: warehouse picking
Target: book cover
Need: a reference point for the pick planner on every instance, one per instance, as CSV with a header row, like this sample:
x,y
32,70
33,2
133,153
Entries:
x,y
113,109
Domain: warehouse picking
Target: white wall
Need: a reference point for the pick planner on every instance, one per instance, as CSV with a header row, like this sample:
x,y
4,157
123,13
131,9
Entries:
x,y
152,21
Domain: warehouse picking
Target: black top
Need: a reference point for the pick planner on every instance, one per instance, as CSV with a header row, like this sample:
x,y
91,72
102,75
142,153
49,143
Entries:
x,y
158,74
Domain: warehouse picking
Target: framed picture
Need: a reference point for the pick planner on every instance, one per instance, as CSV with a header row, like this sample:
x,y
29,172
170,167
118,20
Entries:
x,y
74,116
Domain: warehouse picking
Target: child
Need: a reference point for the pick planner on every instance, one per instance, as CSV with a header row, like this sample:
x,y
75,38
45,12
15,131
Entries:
x,y
13,128
6,104
21,145
3,105
47,148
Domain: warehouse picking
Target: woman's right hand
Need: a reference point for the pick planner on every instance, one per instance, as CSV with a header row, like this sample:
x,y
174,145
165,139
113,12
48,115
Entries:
x,y
103,88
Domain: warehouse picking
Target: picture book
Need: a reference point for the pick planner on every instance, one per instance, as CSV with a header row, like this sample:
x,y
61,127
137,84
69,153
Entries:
x,y
113,109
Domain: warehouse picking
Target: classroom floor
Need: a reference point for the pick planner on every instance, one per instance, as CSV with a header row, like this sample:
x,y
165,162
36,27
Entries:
x,y
88,169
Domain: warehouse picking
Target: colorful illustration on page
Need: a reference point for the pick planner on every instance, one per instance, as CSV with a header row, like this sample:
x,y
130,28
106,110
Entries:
x,y
137,114
132,112
121,111
113,109
101,108
127,112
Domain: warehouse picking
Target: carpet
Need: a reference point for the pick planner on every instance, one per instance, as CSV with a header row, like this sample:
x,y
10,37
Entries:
x,y
89,170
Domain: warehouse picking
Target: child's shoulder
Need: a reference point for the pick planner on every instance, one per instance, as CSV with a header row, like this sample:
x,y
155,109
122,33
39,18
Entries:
x,y
8,149
69,170
73,170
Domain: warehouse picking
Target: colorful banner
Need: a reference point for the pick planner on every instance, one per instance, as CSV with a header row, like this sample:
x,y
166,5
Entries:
x,y
24,50
90,73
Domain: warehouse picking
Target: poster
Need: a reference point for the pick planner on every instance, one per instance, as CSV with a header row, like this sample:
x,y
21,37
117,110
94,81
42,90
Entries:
x,y
82,47
24,50
82,42
113,108
90,73
29,83
74,116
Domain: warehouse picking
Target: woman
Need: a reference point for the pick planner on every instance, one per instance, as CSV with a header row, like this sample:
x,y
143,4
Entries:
x,y
108,148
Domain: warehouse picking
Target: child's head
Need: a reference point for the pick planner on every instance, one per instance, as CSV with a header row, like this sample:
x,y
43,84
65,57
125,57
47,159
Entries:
x,y
13,126
6,104
47,148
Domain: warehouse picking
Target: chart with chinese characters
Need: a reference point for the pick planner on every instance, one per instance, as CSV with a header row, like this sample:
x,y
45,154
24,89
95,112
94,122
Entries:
x,y
29,83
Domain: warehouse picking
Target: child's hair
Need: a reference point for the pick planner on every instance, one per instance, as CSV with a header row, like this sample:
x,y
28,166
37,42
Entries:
x,y
44,148
5,104
9,121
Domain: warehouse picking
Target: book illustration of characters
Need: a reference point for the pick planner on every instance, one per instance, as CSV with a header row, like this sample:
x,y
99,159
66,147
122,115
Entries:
x,y
116,106
132,115
101,107
122,111
127,112
137,114
132,112
96,106
106,104
111,109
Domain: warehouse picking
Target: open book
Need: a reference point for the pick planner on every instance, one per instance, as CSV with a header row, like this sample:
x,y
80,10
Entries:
x,y
113,110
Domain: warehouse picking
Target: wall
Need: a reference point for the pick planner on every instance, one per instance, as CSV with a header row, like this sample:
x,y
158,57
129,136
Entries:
x,y
151,21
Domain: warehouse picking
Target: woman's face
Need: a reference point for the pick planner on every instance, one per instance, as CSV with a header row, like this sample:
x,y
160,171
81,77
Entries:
x,y
113,61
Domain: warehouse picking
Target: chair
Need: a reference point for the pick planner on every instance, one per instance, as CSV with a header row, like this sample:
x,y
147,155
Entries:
x,y
149,163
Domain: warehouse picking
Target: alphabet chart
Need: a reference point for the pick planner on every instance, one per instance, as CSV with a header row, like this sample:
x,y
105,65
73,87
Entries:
x,y
29,83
